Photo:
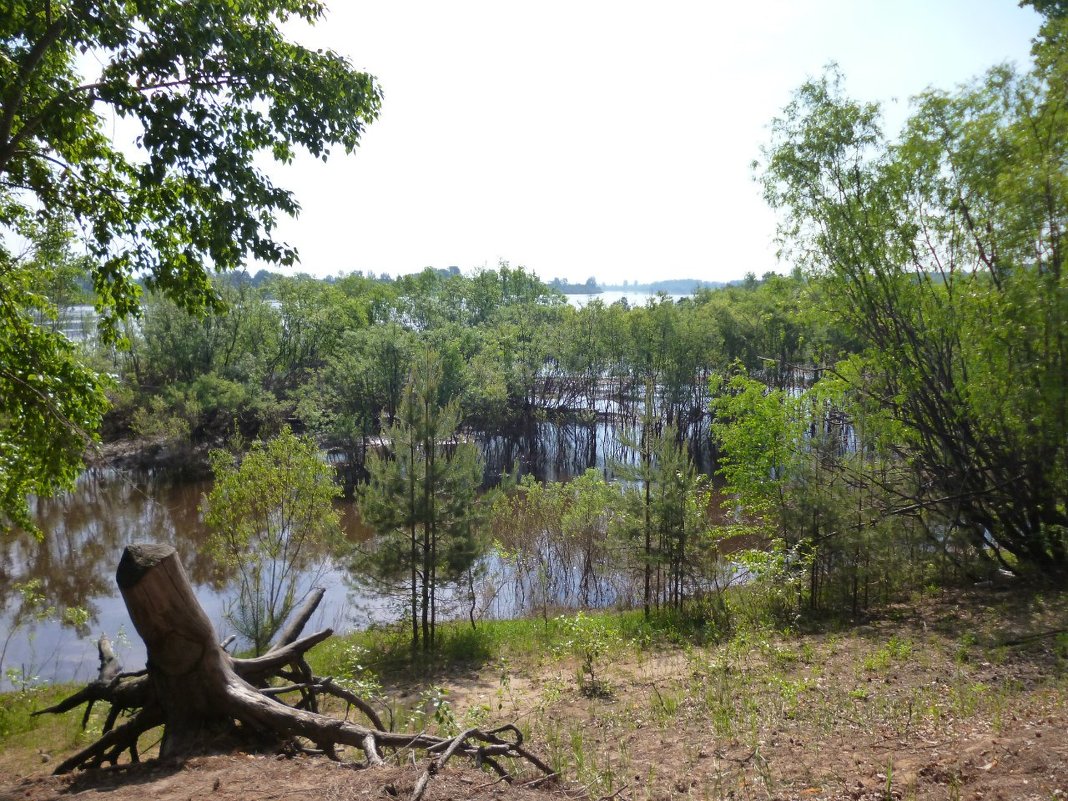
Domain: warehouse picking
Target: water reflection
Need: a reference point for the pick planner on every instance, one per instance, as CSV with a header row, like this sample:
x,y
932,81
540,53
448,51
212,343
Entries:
x,y
85,531
73,566
557,452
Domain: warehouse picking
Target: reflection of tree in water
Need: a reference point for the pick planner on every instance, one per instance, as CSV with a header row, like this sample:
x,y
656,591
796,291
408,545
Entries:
x,y
72,565
70,559
85,530
559,451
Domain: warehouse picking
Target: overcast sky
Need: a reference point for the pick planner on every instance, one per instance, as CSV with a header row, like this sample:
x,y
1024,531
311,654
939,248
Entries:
x,y
604,138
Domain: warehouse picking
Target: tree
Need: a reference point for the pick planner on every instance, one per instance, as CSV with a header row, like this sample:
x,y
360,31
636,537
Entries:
x,y
944,255
527,525
591,507
358,391
666,516
421,498
210,87
59,274
1055,9
51,402
272,520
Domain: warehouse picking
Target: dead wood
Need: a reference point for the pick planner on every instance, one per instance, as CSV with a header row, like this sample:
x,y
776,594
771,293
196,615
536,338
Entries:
x,y
202,696
299,619
124,691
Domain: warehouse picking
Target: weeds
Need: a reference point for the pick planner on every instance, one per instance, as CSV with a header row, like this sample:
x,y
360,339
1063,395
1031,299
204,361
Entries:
x,y
434,708
590,639
665,706
725,707
964,647
895,650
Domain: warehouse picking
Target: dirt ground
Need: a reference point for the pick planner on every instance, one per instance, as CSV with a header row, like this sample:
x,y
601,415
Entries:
x,y
957,697
264,778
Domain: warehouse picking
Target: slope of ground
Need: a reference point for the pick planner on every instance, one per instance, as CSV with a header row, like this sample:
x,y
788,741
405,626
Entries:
x,y
962,696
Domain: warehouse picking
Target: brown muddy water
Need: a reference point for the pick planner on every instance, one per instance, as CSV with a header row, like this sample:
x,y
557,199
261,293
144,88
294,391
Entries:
x,y
73,567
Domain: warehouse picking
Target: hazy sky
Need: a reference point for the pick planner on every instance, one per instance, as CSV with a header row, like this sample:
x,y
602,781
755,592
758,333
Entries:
x,y
604,138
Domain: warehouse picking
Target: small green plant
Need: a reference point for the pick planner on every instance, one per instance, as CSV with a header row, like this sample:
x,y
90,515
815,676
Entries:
x,y
577,750
966,697
895,650
355,674
1060,647
591,640
789,692
16,707
964,647
783,657
434,707
550,693
717,684
556,750
665,706
478,716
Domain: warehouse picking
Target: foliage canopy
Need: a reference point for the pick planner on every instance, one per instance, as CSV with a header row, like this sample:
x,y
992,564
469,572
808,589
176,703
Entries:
x,y
207,87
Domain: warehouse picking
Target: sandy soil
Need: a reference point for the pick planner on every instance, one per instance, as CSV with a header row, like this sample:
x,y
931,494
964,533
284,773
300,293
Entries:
x,y
265,778
961,697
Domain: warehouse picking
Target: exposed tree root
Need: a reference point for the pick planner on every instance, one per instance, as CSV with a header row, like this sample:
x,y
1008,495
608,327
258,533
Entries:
x,y
199,693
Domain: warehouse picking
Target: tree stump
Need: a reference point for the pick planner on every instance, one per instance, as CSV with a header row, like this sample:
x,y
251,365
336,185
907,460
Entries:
x,y
188,670
206,699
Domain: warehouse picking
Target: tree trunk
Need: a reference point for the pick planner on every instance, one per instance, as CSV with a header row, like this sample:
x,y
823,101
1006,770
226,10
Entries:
x,y
188,669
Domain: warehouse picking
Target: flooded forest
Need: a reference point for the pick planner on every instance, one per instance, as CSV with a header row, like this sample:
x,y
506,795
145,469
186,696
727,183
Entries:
x,y
545,391
890,415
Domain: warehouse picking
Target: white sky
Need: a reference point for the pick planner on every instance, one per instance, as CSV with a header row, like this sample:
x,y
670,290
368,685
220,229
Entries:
x,y
601,137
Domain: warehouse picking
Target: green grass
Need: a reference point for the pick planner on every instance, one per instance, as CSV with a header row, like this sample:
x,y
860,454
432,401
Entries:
x,y
386,651
752,690
24,738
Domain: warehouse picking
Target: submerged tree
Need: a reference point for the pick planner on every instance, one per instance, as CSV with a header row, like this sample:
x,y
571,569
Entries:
x,y
665,517
421,498
816,494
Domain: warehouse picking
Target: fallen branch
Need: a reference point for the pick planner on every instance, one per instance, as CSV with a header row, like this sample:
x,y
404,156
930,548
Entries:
x,y
1032,637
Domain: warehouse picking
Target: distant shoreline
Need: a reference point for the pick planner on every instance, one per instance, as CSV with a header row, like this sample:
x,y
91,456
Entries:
x,y
673,286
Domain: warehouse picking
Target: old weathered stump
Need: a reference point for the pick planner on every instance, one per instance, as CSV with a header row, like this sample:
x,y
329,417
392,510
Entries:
x,y
188,670
203,697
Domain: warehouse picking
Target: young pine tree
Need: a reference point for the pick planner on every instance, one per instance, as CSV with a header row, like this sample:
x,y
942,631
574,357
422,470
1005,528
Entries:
x,y
421,499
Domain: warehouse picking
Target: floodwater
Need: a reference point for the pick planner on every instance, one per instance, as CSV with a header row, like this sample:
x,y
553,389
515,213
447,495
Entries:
x,y
609,297
84,533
